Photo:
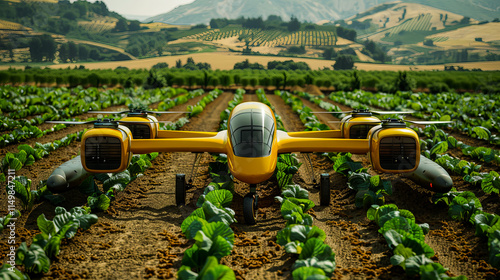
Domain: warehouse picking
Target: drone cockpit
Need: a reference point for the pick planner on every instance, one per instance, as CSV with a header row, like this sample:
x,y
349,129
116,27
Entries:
x,y
251,133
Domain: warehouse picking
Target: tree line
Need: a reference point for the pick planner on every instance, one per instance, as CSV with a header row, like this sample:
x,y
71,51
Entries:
x,y
161,75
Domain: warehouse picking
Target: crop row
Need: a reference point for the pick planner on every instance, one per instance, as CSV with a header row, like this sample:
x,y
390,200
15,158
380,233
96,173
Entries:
x,y
209,224
420,23
78,103
438,142
299,237
271,38
36,258
463,206
97,26
113,183
307,38
466,110
404,236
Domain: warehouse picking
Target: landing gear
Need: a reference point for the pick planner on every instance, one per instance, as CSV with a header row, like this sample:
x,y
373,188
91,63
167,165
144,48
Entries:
x,y
324,190
250,206
180,189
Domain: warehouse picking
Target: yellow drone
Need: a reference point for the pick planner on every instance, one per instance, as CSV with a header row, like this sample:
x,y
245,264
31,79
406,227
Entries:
x,y
252,145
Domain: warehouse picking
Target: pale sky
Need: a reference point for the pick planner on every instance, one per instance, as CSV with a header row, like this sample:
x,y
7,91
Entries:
x,y
142,7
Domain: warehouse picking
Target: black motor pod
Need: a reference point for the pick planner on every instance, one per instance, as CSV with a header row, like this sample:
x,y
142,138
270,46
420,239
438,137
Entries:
x,y
67,175
431,176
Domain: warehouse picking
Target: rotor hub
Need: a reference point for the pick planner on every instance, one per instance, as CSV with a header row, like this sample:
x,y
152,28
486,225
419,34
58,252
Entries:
x,y
361,113
393,123
106,123
142,114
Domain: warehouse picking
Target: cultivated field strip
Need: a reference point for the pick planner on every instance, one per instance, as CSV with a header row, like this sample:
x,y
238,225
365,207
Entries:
x,y
456,246
139,235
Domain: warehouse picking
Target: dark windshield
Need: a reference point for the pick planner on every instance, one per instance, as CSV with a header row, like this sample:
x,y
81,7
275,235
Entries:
x,y
252,133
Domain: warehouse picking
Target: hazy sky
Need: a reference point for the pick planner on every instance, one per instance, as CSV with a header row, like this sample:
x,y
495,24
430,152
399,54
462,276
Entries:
x,y
143,7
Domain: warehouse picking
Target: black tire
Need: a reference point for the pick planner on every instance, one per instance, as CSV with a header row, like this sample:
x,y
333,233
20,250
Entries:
x,y
324,190
250,209
180,189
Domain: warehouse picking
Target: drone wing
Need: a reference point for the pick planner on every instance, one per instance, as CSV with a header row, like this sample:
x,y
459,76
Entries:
x,y
182,141
319,141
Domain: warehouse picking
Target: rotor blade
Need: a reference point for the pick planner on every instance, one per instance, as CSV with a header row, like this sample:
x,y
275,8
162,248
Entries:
x,y
166,112
69,122
342,112
392,112
354,122
107,112
428,122
136,122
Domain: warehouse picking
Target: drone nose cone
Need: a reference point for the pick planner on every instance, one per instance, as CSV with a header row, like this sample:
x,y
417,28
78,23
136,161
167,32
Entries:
x,y
252,170
443,183
57,182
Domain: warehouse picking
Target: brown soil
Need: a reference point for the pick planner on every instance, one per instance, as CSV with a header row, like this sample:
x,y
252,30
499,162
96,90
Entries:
x,y
139,236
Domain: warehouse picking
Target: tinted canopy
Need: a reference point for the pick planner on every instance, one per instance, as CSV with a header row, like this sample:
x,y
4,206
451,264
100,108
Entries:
x,y
252,133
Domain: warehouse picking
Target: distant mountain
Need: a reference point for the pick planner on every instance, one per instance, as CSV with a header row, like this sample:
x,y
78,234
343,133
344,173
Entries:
x,y
201,11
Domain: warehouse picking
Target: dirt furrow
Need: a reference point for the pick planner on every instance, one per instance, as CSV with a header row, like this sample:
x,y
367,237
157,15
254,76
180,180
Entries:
x,y
455,244
139,236
110,241
360,252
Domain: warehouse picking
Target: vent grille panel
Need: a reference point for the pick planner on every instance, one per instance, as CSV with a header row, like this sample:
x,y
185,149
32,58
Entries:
x,y
398,153
103,153
140,131
360,131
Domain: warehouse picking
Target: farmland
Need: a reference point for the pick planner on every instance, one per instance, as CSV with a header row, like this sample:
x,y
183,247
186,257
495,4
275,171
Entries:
x,y
138,231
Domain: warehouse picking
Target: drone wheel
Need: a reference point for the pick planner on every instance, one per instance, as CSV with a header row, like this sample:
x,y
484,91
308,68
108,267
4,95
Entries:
x,y
180,189
250,208
324,190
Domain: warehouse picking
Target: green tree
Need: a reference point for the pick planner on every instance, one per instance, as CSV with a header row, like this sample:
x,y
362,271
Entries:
x,y
83,52
356,81
236,79
94,54
429,42
72,51
154,80
225,80
344,62
35,46
404,82
134,25
70,15
10,49
121,25
63,53
329,53
49,47
293,25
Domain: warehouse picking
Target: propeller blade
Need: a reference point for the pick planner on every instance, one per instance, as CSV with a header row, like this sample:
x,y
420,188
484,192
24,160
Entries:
x,y
376,122
428,122
167,112
392,112
341,112
70,122
107,112
139,122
